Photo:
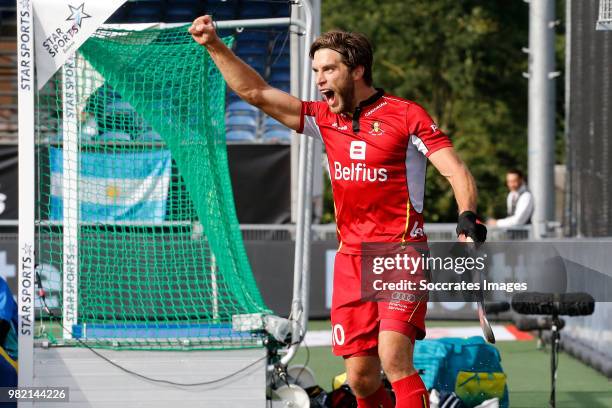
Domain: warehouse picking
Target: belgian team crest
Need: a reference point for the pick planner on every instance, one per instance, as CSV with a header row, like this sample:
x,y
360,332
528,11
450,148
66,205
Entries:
x,y
376,130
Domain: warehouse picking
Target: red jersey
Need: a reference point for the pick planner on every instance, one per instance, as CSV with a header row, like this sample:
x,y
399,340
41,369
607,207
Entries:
x,y
377,162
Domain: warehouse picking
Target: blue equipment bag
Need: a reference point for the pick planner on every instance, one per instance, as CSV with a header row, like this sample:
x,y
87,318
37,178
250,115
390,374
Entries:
x,y
469,367
8,345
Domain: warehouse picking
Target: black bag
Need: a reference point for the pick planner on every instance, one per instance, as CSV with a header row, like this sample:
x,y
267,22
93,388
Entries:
x,y
341,398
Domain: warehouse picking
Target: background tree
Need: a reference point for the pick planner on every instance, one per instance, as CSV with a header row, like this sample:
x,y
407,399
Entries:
x,y
463,61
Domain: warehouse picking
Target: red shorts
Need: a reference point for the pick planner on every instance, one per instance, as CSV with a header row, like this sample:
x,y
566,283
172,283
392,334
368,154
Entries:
x,y
356,324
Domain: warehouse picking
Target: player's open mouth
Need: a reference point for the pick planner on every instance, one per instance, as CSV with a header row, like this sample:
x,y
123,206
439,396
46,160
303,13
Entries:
x,y
329,96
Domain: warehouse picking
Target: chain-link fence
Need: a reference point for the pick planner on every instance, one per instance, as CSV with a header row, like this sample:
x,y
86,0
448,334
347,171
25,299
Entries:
x,y
589,125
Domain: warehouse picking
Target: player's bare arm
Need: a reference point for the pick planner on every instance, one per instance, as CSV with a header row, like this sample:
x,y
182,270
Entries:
x,y
448,163
243,79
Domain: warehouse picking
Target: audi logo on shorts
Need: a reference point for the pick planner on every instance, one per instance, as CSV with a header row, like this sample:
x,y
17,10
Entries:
x,y
399,296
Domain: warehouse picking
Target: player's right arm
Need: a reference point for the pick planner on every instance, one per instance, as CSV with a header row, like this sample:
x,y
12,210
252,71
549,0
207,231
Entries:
x,y
244,80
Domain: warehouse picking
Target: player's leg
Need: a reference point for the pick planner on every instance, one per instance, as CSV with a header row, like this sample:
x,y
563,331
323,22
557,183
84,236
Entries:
x,y
355,334
402,322
395,348
363,372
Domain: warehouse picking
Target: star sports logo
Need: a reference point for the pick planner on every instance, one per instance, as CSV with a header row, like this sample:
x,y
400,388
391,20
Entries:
x,y
77,14
61,39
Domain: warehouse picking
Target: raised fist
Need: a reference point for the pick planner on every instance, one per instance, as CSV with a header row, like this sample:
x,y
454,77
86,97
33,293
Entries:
x,y
203,30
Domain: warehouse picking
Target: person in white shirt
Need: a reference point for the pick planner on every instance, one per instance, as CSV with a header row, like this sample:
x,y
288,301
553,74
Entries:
x,y
519,202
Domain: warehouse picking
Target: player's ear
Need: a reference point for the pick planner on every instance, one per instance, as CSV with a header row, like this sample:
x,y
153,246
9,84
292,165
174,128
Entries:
x,y
357,72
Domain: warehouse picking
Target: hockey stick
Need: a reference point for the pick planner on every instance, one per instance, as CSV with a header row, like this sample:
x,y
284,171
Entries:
x,y
482,314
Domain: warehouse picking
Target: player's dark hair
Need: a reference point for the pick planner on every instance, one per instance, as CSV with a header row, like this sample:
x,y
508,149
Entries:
x,y
355,49
517,172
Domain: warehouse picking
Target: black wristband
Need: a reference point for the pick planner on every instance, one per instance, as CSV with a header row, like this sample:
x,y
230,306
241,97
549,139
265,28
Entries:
x,y
468,225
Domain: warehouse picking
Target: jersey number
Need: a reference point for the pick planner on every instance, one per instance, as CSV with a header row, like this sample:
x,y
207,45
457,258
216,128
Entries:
x,y
337,335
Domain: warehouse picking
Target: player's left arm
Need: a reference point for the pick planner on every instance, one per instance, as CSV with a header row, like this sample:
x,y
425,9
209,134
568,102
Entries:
x,y
436,146
448,163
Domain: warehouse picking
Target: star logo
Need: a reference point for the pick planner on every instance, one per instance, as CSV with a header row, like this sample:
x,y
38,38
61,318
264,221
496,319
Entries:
x,y
77,14
27,250
25,4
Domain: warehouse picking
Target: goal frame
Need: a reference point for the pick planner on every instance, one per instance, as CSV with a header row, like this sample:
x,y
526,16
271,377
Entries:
x,y
27,187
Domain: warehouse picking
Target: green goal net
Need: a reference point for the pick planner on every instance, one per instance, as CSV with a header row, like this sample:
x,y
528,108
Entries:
x,y
138,244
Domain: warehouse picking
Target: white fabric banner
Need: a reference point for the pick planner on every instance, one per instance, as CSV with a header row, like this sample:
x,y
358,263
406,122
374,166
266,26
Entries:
x,y
62,26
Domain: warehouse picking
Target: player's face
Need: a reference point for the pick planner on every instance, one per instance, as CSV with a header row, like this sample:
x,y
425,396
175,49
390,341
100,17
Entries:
x,y
513,181
334,80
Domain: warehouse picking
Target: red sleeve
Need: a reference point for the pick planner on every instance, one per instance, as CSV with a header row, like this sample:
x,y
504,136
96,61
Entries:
x,y
309,119
307,109
424,132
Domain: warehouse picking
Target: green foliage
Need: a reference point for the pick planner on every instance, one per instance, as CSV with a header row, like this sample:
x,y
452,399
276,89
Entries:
x,y
461,60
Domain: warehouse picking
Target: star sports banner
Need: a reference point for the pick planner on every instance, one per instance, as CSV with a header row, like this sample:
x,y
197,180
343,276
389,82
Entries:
x,y
62,26
130,186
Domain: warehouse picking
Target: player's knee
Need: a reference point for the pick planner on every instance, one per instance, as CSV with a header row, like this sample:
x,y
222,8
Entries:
x,y
396,364
363,382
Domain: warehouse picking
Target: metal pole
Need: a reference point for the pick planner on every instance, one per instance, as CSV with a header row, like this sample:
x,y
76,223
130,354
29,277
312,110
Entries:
x,y
312,149
318,186
70,198
246,23
542,112
27,197
569,218
297,56
299,306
